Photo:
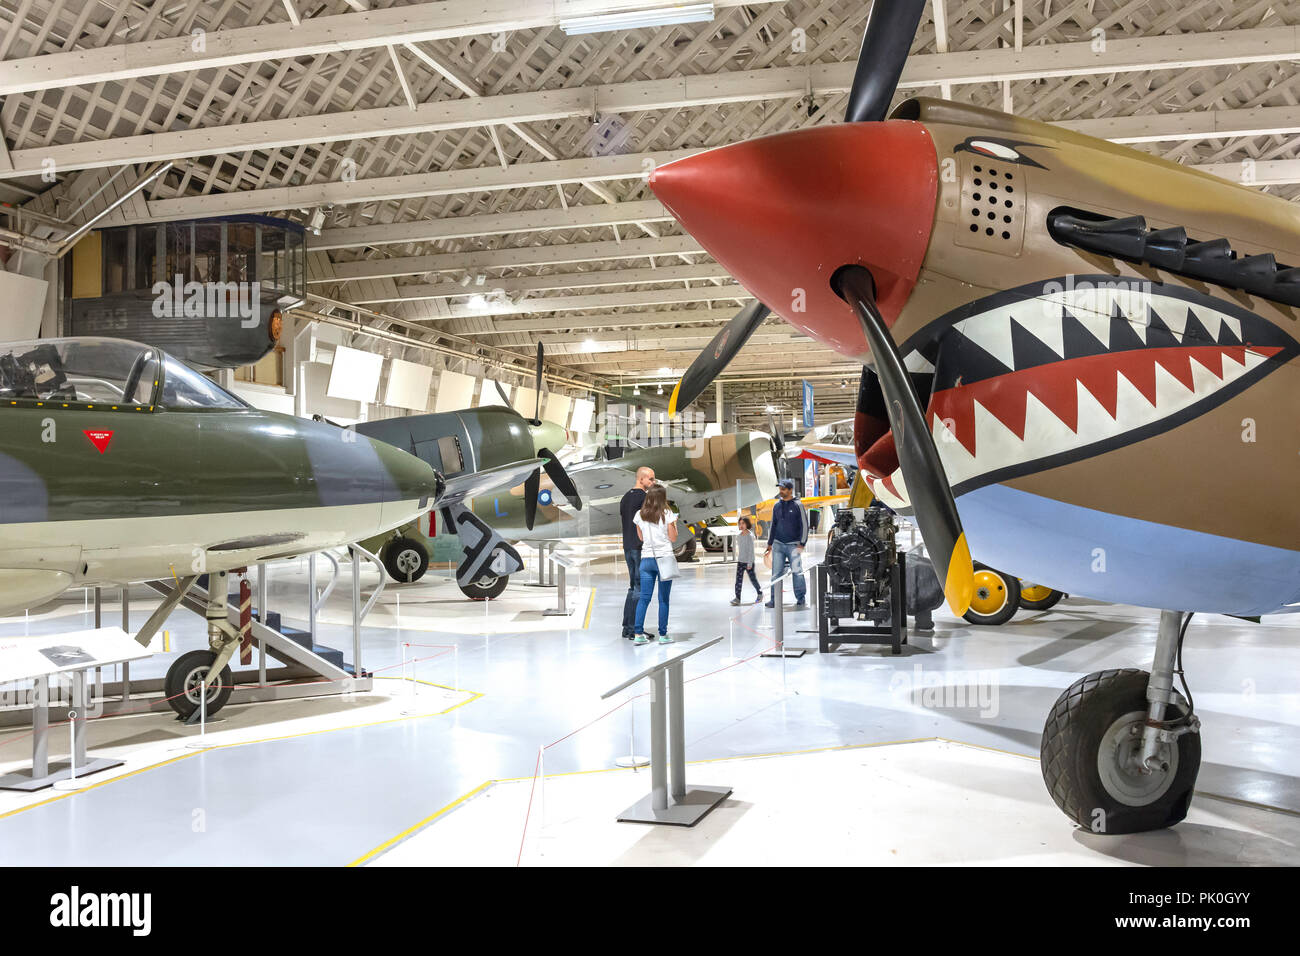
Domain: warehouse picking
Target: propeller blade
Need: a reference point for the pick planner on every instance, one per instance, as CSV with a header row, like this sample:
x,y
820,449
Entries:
x,y
778,448
927,484
532,488
537,409
560,478
505,399
886,41
716,355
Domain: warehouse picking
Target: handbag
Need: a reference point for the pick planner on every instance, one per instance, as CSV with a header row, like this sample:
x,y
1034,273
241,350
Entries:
x,y
668,569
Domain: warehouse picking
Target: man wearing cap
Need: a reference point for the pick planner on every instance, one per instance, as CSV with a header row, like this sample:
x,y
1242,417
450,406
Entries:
x,y
786,540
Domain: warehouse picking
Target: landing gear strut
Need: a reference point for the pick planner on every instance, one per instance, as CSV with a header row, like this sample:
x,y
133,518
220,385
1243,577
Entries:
x,y
204,673
1122,748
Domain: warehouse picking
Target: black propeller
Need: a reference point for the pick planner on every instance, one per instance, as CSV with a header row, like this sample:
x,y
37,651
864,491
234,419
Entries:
x,y
532,488
886,41
927,484
778,448
560,478
554,467
717,355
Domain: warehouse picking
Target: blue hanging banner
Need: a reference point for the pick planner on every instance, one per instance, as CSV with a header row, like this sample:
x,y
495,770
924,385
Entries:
x,y
807,404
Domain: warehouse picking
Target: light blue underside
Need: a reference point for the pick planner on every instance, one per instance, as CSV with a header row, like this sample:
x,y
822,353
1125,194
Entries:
x,y
1125,560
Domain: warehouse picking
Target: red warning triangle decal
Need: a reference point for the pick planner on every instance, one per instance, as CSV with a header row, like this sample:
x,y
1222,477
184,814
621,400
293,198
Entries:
x,y
99,439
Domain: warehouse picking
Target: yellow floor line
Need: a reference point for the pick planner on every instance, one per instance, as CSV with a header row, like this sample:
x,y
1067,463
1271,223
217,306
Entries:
x,y
96,786
416,827
474,695
591,604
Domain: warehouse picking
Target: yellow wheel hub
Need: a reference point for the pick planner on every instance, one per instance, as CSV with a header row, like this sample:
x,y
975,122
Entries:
x,y
990,593
1035,592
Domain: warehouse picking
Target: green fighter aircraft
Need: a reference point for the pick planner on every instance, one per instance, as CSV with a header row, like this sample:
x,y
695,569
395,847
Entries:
x,y
120,464
505,449
704,477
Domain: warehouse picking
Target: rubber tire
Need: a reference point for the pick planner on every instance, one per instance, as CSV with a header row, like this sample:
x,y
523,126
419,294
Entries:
x,y
174,684
1072,734
1048,602
479,592
686,551
395,548
710,541
1008,610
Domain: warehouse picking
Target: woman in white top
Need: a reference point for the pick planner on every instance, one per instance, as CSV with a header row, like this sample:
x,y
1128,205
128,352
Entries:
x,y
656,526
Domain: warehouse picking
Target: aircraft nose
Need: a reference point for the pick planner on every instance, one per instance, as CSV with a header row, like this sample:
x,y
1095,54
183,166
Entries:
x,y
782,213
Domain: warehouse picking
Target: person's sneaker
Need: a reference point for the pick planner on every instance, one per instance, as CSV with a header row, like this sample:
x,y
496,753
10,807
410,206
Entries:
x,y
758,599
641,639
735,602
801,606
769,604
665,639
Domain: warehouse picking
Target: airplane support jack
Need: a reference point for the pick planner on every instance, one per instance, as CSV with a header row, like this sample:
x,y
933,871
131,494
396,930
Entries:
x,y
1121,748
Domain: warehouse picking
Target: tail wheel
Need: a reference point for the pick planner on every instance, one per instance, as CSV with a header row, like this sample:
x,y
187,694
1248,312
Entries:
x,y
1038,597
485,588
1090,751
184,678
997,597
685,550
406,560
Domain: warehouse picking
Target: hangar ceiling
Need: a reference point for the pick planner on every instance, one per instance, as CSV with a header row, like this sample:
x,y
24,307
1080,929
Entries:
x,y
439,143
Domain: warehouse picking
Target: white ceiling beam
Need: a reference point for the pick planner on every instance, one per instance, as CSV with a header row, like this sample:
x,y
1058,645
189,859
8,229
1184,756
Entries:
x,y
559,280
610,300
512,223
1208,124
611,320
684,91
448,182
356,30
1264,172
559,254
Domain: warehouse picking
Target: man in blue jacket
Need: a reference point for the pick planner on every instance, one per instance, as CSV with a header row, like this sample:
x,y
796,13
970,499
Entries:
x,y
787,539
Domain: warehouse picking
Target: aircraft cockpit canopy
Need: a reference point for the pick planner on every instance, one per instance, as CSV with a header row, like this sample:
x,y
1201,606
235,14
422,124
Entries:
x,y
101,372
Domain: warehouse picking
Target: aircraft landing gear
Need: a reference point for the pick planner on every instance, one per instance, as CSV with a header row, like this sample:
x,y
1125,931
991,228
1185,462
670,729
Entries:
x,y
406,560
204,673
485,588
1121,748
187,674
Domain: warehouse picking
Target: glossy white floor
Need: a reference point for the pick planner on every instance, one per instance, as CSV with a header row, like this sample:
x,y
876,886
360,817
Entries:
x,y
911,804
332,783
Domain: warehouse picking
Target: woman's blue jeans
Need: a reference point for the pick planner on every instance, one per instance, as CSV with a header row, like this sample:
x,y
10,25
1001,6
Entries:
x,y
649,575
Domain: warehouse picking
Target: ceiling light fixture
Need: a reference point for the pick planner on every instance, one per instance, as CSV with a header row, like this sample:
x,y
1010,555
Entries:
x,y
662,16
477,302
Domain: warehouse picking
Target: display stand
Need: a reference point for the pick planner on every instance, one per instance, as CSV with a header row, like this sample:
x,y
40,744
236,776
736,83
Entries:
x,y
778,624
681,806
36,659
560,564
545,554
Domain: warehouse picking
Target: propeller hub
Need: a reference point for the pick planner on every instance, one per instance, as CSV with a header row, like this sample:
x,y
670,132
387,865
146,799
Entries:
x,y
783,212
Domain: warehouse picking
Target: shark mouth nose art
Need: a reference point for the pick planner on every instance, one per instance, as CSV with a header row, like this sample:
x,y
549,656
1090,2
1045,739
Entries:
x,y
1056,371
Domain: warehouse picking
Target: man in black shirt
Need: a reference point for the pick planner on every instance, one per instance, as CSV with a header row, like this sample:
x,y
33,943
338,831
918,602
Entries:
x,y
627,509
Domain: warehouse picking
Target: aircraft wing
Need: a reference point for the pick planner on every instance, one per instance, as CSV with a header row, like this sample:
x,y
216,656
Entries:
x,y
471,483
829,454
602,485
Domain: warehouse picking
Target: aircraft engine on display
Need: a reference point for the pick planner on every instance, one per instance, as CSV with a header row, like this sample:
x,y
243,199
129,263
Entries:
x,y
859,558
